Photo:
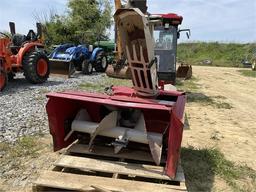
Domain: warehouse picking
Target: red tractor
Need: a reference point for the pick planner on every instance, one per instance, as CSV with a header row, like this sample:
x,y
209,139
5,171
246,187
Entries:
x,y
23,53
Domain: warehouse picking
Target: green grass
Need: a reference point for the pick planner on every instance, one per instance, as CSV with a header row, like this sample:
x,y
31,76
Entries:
x,y
248,73
23,147
14,154
202,165
106,82
187,85
221,54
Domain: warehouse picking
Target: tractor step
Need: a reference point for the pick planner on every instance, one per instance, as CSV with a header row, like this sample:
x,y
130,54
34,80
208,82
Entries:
x,y
79,169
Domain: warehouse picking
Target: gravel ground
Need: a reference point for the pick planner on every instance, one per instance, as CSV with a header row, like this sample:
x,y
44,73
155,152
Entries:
x,y
22,105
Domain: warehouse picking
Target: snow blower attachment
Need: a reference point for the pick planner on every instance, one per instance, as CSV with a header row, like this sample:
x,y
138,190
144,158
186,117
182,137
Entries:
x,y
144,117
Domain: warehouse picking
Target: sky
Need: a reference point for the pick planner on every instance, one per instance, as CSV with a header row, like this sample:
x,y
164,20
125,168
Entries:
x,y
219,20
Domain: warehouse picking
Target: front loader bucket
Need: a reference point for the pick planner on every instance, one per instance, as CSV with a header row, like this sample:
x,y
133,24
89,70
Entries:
x,y
184,71
122,73
61,67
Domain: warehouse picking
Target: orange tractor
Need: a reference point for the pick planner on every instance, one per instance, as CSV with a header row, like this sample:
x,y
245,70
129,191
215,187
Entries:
x,y
23,53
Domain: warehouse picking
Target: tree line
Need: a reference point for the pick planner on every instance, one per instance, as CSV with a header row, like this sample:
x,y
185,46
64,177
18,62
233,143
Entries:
x,y
85,21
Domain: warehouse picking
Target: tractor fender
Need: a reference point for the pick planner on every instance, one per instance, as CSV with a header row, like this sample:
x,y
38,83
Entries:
x,y
80,51
94,53
26,48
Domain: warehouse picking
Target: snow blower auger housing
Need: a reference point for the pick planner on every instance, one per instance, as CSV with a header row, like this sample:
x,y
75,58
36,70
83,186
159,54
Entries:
x,y
144,117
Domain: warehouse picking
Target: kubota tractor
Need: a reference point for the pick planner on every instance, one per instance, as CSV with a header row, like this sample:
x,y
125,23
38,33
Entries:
x,y
23,53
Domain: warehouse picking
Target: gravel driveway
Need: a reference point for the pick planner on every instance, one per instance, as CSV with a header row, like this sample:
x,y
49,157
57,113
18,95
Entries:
x,y
22,105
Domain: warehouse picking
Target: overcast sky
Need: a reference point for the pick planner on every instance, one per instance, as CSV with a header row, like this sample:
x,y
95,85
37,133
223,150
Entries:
x,y
219,20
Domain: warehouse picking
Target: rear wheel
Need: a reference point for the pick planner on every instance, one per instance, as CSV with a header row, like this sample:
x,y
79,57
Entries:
x,y
36,67
3,80
87,67
101,62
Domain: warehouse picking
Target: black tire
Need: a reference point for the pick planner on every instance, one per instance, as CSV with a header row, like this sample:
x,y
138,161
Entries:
x,y
30,66
87,67
78,63
3,80
78,67
101,62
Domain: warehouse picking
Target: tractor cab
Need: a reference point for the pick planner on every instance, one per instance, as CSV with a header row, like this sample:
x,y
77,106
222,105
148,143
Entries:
x,y
166,33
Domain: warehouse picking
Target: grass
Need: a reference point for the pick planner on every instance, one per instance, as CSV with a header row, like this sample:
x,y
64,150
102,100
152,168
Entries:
x,y
248,73
106,82
221,54
192,89
12,155
202,165
187,85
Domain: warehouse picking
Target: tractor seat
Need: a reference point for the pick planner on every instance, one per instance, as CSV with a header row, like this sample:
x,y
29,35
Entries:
x,y
17,41
31,36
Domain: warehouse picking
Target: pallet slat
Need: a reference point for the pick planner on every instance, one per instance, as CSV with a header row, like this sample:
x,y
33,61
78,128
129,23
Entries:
x,y
76,182
147,171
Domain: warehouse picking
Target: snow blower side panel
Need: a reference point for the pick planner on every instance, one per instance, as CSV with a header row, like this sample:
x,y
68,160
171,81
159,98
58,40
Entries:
x,y
160,118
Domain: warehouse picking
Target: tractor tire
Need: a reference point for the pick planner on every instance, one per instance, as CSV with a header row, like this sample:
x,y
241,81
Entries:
x,y
87,67
3,80
78,67
11,76
101,62
36,67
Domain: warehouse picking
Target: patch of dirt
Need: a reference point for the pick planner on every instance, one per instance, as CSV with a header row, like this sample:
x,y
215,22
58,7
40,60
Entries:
x,y
29,169
233,130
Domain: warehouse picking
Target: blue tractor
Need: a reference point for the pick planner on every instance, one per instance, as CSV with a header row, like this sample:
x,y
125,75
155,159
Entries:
x,y
68,58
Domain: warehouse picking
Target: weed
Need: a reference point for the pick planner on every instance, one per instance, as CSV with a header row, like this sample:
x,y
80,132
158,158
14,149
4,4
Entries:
x,y
223,105
12,154
187,85
191,87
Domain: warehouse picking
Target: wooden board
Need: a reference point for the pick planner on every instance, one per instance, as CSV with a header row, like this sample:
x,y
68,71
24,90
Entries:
x,y
147,171
76,182
109,152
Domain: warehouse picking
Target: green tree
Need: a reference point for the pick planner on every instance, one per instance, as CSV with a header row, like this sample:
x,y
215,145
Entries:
x,y
90,18
85,22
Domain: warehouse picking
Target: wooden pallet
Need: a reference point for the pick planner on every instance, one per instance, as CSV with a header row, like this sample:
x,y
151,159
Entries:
x,y
78,169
